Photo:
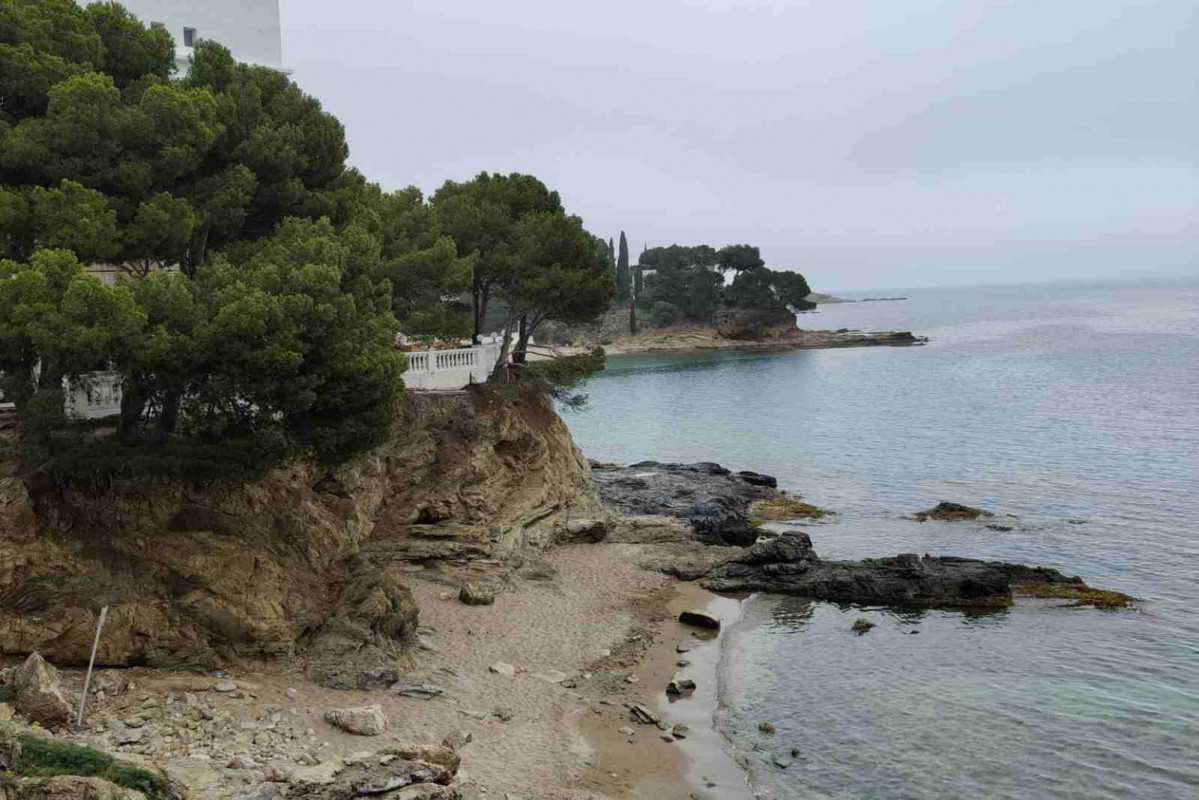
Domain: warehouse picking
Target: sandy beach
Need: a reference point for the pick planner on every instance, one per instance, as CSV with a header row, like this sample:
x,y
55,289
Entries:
x,y
575,624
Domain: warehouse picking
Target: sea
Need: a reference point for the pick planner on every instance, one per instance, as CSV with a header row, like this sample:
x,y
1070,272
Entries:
x,y
1072,413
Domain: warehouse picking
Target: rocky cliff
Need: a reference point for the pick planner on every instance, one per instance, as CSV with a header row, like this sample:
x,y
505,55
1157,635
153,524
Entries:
x,y
753,324
307,562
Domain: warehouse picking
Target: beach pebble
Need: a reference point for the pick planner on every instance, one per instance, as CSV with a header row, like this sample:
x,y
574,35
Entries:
x,y
795,751
551,676
682,647
632,679
225,686
680,684
500,668
682,662
781,761
766,727
700,619
643,715
666,737
627,731
680,731
504,713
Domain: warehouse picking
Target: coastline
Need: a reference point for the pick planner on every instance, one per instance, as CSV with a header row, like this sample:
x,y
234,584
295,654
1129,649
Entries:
x,y
698,340
574,624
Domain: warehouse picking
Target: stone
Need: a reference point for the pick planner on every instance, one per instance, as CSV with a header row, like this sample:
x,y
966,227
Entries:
x,y
242,762
133,736
666,737
781,761
6,676
504,713
682,663
586,530
680,731
224,687
362,779
700,619
640,713
419,691
473,594
6,712
198,775
631,678
627,731
679,685
683,647
361,720
766,727
440,754
551,676
318,774
500,668
38,693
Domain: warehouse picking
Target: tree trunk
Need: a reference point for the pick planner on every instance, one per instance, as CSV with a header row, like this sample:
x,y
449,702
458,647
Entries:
x,y
520,354
133,404
168,419
502,361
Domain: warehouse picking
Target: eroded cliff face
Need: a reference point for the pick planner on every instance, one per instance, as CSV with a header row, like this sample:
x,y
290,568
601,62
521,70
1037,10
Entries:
x,y
307,562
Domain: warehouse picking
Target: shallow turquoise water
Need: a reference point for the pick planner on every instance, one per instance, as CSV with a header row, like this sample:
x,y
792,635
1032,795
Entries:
x,y
1075,409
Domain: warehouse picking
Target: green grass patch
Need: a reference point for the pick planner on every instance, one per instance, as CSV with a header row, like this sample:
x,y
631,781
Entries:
x,y
42,758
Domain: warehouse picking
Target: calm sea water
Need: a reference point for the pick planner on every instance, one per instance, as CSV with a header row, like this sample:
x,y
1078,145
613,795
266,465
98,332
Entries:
x,y
1074,408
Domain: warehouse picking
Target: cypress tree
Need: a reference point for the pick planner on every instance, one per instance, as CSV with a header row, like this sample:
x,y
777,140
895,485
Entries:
x,y
623,288
612,268
633,318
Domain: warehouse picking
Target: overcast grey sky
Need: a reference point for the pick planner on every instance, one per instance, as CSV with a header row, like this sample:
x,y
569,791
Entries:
x,y
865,143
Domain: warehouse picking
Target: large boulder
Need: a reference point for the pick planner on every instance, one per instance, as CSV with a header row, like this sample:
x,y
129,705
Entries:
x,y
38,693
362,721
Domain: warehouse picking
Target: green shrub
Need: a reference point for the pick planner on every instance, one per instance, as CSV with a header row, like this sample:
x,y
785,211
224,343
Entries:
x,y
663,314
42,758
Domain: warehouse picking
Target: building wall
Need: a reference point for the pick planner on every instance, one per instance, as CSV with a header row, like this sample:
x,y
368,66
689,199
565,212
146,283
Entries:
x,y
249,28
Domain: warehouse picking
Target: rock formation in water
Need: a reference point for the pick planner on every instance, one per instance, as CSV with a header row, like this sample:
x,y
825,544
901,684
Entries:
x,y
308,561
700,513
712,500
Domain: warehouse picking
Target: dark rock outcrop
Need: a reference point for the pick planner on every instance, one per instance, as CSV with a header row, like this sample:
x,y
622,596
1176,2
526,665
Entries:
x,y
787,564
713,500
950,512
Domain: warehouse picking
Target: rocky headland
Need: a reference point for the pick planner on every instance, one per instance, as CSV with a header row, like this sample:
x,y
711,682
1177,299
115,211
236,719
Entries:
x,y
731,328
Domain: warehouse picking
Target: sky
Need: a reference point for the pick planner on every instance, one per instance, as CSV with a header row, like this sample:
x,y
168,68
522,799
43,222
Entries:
x,y
866,144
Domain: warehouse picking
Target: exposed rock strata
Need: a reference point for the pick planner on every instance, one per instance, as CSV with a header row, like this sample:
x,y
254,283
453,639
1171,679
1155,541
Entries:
x,y
713,500
307,561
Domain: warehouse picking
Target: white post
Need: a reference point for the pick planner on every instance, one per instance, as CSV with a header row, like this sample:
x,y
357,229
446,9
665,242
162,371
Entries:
x,y
90,664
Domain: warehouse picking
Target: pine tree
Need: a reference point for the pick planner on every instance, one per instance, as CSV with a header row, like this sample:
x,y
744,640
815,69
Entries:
x,y
623,287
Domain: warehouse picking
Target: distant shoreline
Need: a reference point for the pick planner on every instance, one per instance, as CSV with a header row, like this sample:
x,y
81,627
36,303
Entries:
x,y
698,340
828,299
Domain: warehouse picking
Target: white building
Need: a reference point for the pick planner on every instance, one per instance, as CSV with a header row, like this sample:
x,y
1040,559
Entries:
x,y
249,28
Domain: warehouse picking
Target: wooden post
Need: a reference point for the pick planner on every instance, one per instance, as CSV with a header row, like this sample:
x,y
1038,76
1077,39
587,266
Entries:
x,y
90,664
